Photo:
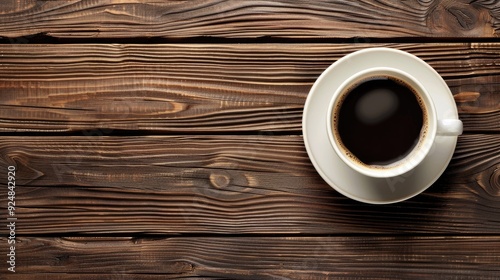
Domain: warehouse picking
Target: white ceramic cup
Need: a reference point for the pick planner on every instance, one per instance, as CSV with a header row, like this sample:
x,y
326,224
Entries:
x,y
432,126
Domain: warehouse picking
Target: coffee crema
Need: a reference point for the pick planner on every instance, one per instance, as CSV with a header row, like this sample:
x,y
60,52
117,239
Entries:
x,y
379,121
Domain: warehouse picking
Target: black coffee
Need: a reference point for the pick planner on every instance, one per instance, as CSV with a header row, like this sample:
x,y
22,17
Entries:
x,y
379,121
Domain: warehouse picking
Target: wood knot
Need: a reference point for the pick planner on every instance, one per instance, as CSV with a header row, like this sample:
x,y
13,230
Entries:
x,y
458,18
62,259
219,180
495,182
489,180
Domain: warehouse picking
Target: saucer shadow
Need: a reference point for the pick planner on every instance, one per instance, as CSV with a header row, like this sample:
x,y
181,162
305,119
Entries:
x,y
428,212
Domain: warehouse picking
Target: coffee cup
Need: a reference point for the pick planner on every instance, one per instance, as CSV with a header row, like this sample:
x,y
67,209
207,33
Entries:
x,y
382,122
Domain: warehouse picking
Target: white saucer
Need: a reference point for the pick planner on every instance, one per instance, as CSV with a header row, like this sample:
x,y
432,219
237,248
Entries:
x,y
334,171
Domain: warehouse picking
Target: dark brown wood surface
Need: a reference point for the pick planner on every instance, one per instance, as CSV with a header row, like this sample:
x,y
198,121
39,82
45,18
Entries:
x,y
163,140
249,19
207,88
381,257
230,185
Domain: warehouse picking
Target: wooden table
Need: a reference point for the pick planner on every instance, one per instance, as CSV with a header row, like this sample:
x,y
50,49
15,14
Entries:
x,y
163,140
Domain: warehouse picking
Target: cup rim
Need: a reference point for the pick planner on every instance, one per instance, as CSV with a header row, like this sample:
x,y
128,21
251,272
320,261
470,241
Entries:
x,y
418,153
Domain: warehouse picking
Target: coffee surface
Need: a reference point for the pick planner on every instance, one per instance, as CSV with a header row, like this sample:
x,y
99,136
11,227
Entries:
x,y
380,121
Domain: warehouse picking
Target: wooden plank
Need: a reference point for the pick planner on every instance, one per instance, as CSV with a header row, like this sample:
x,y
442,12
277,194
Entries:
x,y
228,185
263,258
249,19
114,275
206,88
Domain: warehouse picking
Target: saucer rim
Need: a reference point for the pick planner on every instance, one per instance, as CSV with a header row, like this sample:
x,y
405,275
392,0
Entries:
x,y
443,90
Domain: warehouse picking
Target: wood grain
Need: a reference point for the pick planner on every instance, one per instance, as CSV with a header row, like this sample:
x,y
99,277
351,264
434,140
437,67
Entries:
x,y
225,189
263,258
248,19
206,88
113,275
229,185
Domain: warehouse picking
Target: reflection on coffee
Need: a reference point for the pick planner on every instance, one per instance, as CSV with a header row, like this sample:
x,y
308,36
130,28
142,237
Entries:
x,y
379,121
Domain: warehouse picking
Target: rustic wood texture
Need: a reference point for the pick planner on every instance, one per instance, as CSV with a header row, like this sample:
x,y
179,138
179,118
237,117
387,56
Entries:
x,y
207,88
249,19
229,185
261,257
138,159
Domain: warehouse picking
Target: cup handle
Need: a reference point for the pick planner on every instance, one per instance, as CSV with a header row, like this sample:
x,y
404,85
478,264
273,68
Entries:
x,y
449,127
